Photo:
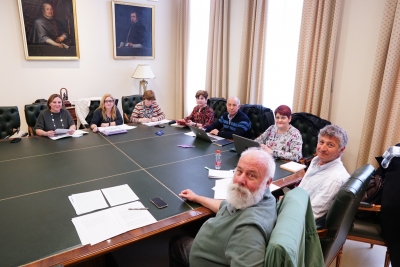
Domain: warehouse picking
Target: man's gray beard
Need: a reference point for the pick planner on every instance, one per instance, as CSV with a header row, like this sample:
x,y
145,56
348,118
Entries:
x,y
240,197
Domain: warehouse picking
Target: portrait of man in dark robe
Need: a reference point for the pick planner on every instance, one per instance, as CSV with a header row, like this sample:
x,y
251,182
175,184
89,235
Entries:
x,y
49,28
133,30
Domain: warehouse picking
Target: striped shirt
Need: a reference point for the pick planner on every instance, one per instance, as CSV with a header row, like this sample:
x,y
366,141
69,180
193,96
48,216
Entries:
x,y
141,111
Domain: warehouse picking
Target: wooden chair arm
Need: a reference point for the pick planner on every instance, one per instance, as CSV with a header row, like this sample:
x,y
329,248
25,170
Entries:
x,y
372,207
126,118
322,233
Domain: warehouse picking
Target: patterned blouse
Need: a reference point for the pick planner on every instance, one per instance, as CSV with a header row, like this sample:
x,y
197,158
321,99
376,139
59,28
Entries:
x,y
285,146
204,115
141,111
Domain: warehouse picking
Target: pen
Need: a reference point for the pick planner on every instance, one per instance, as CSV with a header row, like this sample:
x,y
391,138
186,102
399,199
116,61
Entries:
x,y
206,168
6,137
138,208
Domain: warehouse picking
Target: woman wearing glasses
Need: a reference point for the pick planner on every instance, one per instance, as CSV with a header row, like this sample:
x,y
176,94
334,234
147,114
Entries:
x,y
107,114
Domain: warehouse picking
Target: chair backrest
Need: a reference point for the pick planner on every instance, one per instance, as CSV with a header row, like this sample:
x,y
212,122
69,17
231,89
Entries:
x,y
94,104
218,105
9,121
343,210
309,126
260,117
128,104
294,239
32,111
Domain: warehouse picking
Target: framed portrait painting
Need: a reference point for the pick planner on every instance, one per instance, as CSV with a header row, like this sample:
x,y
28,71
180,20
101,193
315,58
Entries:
x,y
133,26
49,29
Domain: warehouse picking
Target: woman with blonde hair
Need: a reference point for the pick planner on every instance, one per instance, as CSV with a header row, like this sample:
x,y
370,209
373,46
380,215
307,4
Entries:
x,y
107,114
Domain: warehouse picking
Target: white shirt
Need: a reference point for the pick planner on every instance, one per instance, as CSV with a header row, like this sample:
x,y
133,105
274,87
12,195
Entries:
x,y
322,184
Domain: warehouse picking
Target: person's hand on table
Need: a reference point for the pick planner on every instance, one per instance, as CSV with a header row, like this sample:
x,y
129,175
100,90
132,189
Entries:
x,y
154,119
50,133
144,120
71,131
214,132
266,148
95,129
181,122
189,195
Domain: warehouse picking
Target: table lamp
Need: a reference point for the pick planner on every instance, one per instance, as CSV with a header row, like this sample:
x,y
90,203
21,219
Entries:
x,y
143,71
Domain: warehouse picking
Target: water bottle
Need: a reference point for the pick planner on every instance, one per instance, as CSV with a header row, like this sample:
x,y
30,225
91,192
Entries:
x,y
218,160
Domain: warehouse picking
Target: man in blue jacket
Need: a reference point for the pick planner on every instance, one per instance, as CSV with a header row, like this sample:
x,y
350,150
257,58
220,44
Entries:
x,y
232,122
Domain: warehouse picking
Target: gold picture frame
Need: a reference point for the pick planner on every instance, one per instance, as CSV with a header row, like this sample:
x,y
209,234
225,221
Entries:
x,y
49,30
133,30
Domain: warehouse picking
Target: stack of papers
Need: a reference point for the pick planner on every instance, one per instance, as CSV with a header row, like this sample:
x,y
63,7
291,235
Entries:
x,y
220,174
63,133
111,130
156,122
293,166
102,225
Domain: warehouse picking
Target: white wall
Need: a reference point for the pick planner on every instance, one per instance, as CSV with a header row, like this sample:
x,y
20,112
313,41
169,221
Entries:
x,y
97,72
356,45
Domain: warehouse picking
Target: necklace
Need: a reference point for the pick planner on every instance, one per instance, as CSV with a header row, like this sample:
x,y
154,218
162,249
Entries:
x,y
62,124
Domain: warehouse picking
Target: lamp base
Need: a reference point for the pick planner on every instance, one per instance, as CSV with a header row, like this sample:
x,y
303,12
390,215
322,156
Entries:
x,y
143,84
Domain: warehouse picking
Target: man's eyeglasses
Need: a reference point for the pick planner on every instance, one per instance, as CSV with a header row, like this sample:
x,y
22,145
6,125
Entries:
x,y
108,101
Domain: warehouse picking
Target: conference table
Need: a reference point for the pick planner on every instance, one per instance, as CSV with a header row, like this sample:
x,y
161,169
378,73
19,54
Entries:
x,y
38,174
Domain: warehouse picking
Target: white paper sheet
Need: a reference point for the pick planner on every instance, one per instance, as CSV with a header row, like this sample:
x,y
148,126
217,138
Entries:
x,y
96,227
102,225
220,174
88,201
77,133
156,122
119,194
118,127
132,219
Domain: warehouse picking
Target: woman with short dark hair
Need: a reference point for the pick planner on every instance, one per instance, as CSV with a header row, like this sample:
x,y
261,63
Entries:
x,y
202,114
148,109
282,140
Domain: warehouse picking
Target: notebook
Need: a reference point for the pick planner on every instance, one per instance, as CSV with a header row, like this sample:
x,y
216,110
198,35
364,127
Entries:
x,y
293,166
242,143
200,133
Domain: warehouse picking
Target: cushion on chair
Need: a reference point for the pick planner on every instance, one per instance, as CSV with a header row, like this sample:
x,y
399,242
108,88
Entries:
x,y
94,104
309,126
128,104
218,105
9,121
32,111
260,117
294,239
341,214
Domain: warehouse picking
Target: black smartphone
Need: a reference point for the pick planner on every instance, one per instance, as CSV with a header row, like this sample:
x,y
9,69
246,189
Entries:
x,y
159,202
159,126
15,140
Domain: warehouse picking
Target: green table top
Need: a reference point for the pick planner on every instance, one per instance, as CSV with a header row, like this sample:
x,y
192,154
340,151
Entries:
x,y
38,175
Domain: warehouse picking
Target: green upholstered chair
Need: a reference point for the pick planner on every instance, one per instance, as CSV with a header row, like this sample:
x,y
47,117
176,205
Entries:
x,y
9,121
294,240
94,104
260,117
32,111
341,214
218,105
128,104
309,126
369,230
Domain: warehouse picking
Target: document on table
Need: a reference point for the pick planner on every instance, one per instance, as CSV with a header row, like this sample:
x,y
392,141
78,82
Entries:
x,y
119,194
77,133
102,225
89,201
220,174
119,127
156,122
210,135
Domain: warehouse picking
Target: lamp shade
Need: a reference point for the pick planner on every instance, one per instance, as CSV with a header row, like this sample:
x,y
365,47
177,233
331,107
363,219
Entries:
x,y
143,72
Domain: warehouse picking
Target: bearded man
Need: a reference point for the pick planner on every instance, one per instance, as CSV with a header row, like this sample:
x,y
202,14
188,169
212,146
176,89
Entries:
x,y
240,231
